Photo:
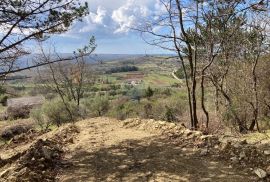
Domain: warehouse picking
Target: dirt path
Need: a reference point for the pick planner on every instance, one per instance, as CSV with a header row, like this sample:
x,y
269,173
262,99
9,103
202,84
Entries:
x,y
105,151
178,79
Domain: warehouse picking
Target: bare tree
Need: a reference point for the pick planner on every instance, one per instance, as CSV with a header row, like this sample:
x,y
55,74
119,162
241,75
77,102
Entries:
x,y
23,21
67,79
199,32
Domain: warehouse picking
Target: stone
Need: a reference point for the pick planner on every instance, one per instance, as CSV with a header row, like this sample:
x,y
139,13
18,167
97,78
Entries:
x,y
197,133
234,159
47,152
204,152
187,132
5,173
236,145
243,142
266,152
162,122
260,173
268,170
242,155
225,146
123,166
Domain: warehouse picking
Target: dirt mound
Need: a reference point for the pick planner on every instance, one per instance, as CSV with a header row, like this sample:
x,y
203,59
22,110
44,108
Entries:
x,y
66,134
173,131
237,151
40,162
12,131
151,125
245,154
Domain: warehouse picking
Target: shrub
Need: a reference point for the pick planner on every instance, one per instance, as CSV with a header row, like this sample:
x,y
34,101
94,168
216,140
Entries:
x,y
58,113
169,114
112,93
12,131
122,69
18,112
3,99
135,94
149,92
118,109
97,106
50,96
148,110
38,116
94,89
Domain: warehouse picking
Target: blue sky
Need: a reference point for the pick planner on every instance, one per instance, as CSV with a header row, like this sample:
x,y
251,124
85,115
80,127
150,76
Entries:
x,y
110,21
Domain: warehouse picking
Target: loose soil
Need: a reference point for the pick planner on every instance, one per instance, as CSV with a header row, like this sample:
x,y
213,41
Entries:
x,y
105,150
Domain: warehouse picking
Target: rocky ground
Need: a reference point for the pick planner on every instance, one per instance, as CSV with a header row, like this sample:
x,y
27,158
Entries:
x,y
103,149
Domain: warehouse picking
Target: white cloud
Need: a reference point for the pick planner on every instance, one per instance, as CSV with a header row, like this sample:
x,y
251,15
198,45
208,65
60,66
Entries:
x,y
130,14
108,17
98,17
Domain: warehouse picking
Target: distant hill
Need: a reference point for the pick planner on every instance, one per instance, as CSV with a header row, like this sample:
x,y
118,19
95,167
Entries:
x,y
95,58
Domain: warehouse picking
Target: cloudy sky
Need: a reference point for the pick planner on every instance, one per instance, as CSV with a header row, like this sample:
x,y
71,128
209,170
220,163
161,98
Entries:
x,y
110,21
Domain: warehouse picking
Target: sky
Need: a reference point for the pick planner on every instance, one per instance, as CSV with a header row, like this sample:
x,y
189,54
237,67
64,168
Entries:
x,y
110,21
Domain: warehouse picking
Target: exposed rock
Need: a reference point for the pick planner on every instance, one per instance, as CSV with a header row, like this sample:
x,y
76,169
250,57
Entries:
x,y
260,173
242,155
268,170
266,152
204,152
243,142
6,172
234,159
47,152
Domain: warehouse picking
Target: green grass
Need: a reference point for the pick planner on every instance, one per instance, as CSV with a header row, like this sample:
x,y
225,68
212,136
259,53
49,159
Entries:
x,y
159,80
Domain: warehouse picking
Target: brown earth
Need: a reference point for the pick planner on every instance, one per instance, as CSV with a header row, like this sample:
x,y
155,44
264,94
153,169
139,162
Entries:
x,y
105,149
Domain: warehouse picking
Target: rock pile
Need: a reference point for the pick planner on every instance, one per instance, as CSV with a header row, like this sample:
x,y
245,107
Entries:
x,y
12,131
66,135
151,125
237,152
41,161
38,163
173,130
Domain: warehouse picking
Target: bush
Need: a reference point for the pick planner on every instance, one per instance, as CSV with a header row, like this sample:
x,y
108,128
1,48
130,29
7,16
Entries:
x,y
38,116
170,114
50,96
94,89
58,113
148,110
149,92
97,106
12,131
19,112
135,94
122,69
118,108
3,99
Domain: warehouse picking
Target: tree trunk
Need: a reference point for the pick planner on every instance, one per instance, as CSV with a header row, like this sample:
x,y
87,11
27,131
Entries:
x,y
216,100
203,100
255,102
